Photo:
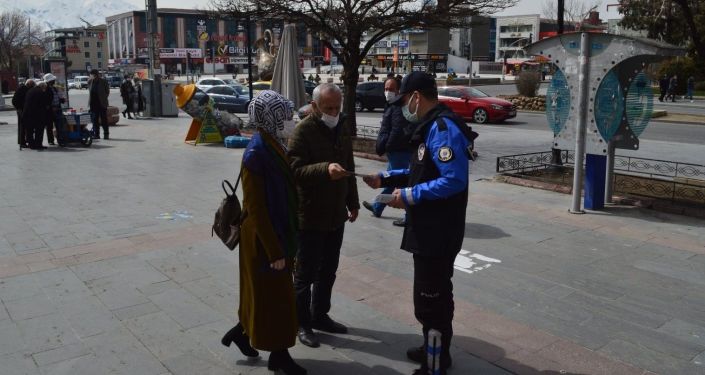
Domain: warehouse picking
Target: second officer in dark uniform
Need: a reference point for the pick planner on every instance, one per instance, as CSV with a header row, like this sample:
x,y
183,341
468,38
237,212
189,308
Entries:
x,y
434,191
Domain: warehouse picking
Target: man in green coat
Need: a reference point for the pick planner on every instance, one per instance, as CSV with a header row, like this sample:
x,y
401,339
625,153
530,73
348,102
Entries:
x,y
321,158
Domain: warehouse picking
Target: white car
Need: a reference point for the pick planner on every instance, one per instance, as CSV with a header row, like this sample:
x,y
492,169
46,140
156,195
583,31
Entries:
x,y
81,82
206,83
72,84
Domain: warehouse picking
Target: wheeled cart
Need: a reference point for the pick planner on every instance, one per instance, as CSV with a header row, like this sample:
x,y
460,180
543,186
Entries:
x,y
76,129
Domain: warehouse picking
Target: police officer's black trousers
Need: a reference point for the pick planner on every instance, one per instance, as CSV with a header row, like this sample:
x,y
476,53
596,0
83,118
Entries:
x,y
433,297
316,265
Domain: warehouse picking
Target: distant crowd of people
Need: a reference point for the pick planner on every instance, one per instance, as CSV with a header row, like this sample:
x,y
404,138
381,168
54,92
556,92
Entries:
x,y
669,85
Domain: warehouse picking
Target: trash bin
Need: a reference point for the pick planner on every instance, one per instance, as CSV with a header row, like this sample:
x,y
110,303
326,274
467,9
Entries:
x,y
169,107
147,89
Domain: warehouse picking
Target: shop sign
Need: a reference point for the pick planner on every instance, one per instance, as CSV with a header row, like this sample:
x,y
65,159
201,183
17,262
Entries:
x,y
179,53
230,60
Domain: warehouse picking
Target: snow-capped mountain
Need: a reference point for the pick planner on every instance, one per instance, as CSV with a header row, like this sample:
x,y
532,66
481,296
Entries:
x,y
53,14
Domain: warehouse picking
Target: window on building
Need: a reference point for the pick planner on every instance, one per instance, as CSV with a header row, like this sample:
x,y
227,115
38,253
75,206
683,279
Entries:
x,y
99,55
100,65
99,44
87,55
169,31
86,44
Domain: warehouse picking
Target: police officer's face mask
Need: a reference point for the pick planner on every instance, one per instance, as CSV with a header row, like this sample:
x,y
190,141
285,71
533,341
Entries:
x,y
411,117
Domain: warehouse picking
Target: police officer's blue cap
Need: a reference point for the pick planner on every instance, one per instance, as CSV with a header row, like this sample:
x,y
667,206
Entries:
x,y
415,81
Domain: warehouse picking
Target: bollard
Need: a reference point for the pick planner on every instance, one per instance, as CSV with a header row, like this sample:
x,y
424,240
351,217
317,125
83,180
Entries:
x,y
433,352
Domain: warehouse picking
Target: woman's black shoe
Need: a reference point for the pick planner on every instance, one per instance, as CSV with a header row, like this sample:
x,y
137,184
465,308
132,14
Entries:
x,y
238,336
123,114
281,360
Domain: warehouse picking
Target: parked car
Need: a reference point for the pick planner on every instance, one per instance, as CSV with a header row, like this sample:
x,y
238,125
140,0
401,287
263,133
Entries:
x,y
369,95
258,86
242,90
475,105
227,98
72,84
205,83
114,81
81,82
309,86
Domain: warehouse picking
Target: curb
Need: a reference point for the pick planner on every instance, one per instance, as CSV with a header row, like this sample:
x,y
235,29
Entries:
x,y
641,202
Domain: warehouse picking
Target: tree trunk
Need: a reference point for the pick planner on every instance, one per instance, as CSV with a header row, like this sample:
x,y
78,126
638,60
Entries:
x,y
690,21
350,77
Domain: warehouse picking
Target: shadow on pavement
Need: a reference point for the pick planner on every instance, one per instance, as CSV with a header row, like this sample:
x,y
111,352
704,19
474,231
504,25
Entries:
x,y
125,140
66,149
394,345
484,232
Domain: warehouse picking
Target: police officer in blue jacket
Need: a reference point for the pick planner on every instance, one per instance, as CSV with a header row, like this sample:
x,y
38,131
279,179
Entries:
x,y
434,191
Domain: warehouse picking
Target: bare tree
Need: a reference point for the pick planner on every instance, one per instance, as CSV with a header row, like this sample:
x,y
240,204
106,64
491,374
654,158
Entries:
x,y
15,35
575,11
357,25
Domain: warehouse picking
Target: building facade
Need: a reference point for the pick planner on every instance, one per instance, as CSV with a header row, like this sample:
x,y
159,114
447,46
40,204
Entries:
x,y
83,48
218,44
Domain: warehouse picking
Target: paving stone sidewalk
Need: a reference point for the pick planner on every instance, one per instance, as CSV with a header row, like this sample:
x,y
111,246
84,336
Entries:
x,y
107,266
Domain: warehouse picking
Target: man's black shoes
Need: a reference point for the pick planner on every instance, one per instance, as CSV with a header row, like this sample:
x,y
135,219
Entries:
x,y
399,222
326,324
308,338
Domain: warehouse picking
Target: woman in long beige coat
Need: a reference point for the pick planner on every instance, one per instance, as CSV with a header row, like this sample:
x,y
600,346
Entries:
x,y
267,240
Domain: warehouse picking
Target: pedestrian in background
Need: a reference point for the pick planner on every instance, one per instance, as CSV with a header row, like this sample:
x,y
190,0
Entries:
x,y
393,140
690,87
56,116
98,91
268,240
35,115
435,193
322,159
663,87
18,101
138,98
672,86
127,90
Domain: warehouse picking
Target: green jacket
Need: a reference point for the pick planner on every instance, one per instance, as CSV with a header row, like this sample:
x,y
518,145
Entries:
x,y
323,203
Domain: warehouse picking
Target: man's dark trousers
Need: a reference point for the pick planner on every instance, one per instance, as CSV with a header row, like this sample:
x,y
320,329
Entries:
x,y
433,297
102,116
37,134
316,265
23,137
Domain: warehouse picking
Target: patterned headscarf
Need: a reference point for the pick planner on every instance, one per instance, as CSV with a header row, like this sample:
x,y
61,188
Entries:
x,y
268,111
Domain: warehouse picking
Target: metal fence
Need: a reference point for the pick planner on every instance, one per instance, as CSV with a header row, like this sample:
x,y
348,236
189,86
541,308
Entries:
x,y
637,176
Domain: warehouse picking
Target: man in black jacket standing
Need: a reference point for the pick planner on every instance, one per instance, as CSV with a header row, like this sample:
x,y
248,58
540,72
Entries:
x,y
18,102
35,115
98,91
393,140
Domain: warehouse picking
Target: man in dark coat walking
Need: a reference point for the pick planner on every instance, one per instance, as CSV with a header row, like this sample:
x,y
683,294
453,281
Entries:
x,y
663,87
18,101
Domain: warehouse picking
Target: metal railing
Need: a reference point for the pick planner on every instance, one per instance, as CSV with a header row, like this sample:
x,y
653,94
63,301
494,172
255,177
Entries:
x,y
637,176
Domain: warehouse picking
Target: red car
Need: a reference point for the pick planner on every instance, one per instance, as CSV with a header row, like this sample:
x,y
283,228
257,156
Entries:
x,y
473,104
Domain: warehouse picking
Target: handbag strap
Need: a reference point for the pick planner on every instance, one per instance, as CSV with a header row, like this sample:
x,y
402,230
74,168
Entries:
x,y
232,189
